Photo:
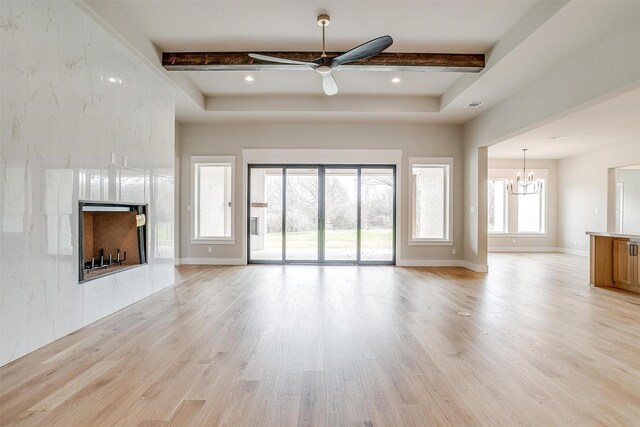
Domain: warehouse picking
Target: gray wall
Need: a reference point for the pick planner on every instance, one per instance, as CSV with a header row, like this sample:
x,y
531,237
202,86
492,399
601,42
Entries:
x,y
229,139
579,85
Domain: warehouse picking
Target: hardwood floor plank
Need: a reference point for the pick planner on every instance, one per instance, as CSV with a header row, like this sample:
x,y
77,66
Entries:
x,y
186,412
320,346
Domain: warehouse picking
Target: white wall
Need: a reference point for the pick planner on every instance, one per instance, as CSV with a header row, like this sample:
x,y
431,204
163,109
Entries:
x,y
230,139
547,242
61,118
583,193
475,201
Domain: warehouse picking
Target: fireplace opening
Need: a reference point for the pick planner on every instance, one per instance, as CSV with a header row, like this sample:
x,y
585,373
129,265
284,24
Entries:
x,y
112,238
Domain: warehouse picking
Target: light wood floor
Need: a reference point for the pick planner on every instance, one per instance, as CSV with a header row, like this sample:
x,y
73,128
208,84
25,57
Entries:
x,y
367,346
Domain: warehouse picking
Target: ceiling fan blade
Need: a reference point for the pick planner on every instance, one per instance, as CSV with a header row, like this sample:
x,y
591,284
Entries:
x,y
281,60
329,84
365,50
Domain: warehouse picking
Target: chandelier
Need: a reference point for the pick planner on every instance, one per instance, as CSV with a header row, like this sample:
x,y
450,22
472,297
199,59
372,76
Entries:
x,y
525,184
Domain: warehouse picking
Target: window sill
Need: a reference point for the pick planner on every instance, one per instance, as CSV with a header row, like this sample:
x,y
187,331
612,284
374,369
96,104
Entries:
x,y
430,242
518,235
213,241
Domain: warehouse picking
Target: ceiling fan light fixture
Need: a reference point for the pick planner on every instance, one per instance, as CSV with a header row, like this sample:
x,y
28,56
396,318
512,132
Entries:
x,y
249,79
396,80
325,65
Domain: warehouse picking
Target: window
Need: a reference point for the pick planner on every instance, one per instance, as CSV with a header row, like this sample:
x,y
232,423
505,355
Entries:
x,y
497,204
531,212
509,214
431,199
213,191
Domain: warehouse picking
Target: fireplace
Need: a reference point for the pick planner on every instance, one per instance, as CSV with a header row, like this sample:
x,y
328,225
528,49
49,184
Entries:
x,y
112,238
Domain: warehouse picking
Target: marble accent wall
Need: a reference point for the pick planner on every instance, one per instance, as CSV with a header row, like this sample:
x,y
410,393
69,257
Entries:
x,y
71,95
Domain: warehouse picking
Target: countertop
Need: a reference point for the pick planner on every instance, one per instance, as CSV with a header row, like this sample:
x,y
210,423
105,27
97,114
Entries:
x,y
621,235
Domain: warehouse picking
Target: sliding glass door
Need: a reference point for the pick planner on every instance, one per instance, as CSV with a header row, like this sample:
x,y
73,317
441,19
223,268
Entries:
x,y
266,217
301,220
341,214
336,214
377,219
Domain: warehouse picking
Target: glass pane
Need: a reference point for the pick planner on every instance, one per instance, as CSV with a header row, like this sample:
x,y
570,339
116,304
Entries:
x,y
496,205
377,215
430,198
302,214
214,197
265,217
341,214
530,213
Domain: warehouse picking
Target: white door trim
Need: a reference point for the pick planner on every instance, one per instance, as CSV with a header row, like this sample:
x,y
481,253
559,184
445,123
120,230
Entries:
x,y
322,156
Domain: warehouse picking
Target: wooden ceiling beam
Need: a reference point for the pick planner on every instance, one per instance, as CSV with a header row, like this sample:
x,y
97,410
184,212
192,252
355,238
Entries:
x,y
240,61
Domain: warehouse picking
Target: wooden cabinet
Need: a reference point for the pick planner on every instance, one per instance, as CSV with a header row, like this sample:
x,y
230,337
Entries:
x,y
626,267
635,264
622,271
614,261
601,261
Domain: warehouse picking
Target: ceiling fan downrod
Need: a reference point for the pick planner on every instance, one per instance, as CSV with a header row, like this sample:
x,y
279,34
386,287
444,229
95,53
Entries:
x,y
323,21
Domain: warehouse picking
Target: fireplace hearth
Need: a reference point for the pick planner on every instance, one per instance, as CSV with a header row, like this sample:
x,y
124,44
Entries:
x,y
112,238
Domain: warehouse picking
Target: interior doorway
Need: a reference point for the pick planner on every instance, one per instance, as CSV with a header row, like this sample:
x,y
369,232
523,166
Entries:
x,y
321,214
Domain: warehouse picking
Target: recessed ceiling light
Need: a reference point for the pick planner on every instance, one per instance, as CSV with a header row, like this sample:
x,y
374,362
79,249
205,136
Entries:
x,y
474,104
557,137
249,79
396,80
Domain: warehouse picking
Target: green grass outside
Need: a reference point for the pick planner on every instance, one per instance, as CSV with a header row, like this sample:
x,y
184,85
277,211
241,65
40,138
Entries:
x,y
334,239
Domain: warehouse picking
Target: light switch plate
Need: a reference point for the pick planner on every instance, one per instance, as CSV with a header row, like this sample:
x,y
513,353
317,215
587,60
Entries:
x,y
124,161
113,158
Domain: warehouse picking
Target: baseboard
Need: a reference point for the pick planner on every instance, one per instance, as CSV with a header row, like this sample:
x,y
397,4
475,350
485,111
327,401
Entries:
x,y
441,263
574,252
498,249
479,268
399,263
429,263
211,261
568,251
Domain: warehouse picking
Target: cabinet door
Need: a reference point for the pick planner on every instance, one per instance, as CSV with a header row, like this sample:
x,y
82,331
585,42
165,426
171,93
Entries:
x,y
635,265
622,262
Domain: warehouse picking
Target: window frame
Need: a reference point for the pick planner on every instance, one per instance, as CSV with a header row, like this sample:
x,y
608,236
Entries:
x,y
512,205
442,162
505,214
196,162
543,213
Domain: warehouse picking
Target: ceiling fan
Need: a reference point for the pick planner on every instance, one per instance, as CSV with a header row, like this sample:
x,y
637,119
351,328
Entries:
x,y
325,65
